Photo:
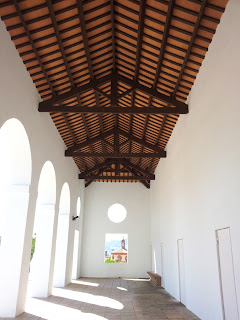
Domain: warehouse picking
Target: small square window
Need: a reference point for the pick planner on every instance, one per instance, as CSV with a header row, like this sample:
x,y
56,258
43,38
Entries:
x,y
116,248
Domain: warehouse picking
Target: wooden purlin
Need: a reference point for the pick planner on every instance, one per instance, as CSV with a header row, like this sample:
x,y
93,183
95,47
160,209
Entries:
x,y
86,47
50,43
138,58
160,60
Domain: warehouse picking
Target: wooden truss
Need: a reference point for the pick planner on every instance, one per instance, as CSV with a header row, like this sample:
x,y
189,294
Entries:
x,y
114,75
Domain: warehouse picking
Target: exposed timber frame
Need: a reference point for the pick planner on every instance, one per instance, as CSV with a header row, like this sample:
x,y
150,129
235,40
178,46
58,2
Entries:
x,y
114,75
56,104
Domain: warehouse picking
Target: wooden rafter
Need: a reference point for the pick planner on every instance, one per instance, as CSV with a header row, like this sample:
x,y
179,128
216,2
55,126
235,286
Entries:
x,y
114,75
88,142
101,165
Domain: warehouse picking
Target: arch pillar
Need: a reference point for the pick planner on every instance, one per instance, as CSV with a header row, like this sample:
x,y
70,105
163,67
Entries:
x,y
59,279
16,199
41,266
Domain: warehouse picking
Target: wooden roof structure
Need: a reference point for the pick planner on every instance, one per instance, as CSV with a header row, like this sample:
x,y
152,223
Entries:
x,y
114,75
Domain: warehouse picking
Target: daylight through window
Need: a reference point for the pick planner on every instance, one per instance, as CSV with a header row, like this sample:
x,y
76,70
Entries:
x,y
117,213
116,248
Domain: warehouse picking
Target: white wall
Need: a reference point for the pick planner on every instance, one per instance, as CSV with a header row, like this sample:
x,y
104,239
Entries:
x,y
197,186
99,196
19,99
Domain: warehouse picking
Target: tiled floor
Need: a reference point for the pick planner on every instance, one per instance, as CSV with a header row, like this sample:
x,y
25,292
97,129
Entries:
x,y
98,299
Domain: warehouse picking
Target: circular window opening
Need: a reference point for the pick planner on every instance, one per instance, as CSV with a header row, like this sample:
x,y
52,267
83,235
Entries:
x,y
117,213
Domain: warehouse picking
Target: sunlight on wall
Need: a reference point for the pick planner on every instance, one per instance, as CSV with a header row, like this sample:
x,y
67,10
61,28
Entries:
x,y
43,229
75,255
62,238
154,261
78,207
76,244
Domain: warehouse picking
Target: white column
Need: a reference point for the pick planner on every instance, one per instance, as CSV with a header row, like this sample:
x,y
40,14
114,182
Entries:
x,y
11,250
59,278
75,255
40,266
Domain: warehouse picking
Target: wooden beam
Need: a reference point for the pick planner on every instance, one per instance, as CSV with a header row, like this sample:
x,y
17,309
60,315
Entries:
x,y
164,41
113,36
112,110
146,184
136,167
111,177
160,62
49,105
128,91
154,93
88,56
88,142
142,7
116,155
44,106
102,92
140,141
59,40
90,181
200,15
99,166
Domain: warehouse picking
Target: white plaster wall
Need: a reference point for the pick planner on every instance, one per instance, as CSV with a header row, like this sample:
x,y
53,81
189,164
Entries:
x,y
197,186
19,99
99,196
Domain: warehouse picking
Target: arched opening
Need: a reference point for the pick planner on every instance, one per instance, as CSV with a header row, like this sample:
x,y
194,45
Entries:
x,y
59,278
76,244
15,173
43,232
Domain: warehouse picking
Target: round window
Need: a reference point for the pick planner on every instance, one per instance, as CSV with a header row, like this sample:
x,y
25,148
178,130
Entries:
x,y
117,213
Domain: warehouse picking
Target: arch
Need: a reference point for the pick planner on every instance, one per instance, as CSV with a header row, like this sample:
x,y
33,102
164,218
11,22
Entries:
x,y
75,264
16,160
43,232
47,184
64,204
15,173
59,279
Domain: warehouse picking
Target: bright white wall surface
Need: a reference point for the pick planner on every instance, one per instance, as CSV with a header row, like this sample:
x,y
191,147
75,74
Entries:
x,y
19,99
99,196
197,187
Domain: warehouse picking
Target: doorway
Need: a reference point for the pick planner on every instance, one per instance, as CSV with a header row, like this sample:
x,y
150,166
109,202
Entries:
x,y
163,264
226,275
181,271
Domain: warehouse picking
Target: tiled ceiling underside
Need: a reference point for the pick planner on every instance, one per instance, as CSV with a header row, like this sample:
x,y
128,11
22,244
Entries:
x,y
132,55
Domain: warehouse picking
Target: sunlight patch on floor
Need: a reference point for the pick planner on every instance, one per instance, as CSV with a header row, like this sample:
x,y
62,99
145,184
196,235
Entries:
x,y
123,289
85,283
52,311
88,298
128,279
